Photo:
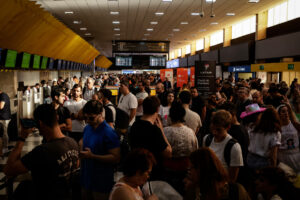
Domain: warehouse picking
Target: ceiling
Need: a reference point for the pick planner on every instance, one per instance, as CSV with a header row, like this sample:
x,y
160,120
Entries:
x,y
135,17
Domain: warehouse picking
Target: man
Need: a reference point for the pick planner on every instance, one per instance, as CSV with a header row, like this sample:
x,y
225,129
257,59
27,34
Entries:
x,y
257,97
147,86
161,94
110,110
140,97
243,101
75,105
227,90
232,159
51,164
128,102
90,90
36,95
167,84
100,151
191,118
148,133
198,104
64,116
5,115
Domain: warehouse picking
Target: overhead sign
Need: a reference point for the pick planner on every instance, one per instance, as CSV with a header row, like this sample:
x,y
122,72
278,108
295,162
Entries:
x,y
275,67
244,68
141,46
173,63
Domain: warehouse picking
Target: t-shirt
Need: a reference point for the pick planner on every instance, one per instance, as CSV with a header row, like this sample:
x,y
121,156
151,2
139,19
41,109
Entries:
x,y
5,112
239,133
236,157
164,113
289,137
51,165
95,175
140,95
182,140
192,120
88,94
75,107
143,134
197,105
261,143
127,103
63,114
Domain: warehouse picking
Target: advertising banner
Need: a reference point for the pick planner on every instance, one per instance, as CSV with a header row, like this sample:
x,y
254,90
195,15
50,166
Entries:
x,y
166,73
205,74
192,76
182,76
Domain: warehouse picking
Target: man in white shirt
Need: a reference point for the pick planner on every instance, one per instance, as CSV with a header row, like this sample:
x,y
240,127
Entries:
x,y
128,102
75,105
220,124
89,91
140,97
191,118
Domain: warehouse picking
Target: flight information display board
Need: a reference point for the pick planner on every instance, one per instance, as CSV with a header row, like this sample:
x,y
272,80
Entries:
x,y
44,63
25,61
124,61
36,62
157,61
11,58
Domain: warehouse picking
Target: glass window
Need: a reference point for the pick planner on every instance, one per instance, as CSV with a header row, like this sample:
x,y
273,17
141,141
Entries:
x,y
179,53
279,13
293,9
244,27
199,44
172,56
216,38
188,49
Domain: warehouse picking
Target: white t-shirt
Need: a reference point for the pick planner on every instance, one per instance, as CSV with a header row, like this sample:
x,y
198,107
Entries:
x,y
140,95
164,114
75,107
192,120
128,102
236,156
261,144
88,94
289,137
182,140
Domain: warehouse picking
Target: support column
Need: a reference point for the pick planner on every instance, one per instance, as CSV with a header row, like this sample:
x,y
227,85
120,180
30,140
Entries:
x,y
261,25
206,44
227,36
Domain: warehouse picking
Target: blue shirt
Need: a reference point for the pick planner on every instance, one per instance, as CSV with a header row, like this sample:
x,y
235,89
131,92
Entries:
x,y
96,175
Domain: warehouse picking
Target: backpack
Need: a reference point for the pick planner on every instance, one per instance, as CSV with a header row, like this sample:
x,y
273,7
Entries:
x,y
227,150
122,118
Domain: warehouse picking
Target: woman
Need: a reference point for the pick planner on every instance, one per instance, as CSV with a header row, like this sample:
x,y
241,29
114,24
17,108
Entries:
x,y
208,180
264,140
289,148
137,168
164,110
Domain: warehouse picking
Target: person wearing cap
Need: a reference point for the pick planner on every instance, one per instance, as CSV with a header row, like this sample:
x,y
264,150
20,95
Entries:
x,y
264,137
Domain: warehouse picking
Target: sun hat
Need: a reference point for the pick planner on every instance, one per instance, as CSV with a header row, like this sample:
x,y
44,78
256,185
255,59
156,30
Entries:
x,y
251,109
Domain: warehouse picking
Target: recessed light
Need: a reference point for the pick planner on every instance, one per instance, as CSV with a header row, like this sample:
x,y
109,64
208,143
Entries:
x,y
146,34
195,14
176,29
83,29
114,12
153,23
116,22
118,34
230,14
167,0
144,38
159,13
77,22
253,1
88,34
214,23
116,29
69,12
171,34
184,23
149,29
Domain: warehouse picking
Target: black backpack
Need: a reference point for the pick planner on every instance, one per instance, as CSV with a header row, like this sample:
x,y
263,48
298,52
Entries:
x,y
122,118
227,150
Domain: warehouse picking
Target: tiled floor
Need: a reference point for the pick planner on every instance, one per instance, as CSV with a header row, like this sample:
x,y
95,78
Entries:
x,y
32,141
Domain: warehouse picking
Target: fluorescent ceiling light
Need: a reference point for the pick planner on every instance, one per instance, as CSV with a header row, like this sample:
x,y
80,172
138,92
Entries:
x,y
159,13
149,29
167,0
176,29
209,1
114,12
118,34
214,23
184,23
116,29
88,34
146,34
230,14
83,29
116,22
195,13
77,22
253,1
112,0
69,12
153,23
144,38
171,34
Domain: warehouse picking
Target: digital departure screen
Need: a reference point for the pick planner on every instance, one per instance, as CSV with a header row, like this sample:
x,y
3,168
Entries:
x,y
36,62
124,61
157,61
11,58
25,61
51,63
44,63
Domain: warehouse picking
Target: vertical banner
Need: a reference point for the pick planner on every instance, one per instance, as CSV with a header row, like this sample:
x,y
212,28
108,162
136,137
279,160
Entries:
x,y
166,73
205,74
182,76
192,76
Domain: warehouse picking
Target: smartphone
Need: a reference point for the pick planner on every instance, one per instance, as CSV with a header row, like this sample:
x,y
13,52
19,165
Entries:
x,y
28,123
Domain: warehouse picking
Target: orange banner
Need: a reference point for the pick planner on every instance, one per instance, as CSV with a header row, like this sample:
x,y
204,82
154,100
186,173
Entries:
x,y
166,73
182,76
192,76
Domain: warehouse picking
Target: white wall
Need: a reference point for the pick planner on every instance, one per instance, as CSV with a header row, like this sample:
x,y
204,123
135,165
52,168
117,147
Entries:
x,y
29,77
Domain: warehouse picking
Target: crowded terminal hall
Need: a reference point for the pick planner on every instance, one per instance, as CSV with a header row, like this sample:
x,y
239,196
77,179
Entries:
x,y
149,100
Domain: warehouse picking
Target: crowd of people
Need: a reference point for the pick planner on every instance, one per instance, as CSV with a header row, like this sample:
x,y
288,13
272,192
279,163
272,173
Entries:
x,y
238,143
